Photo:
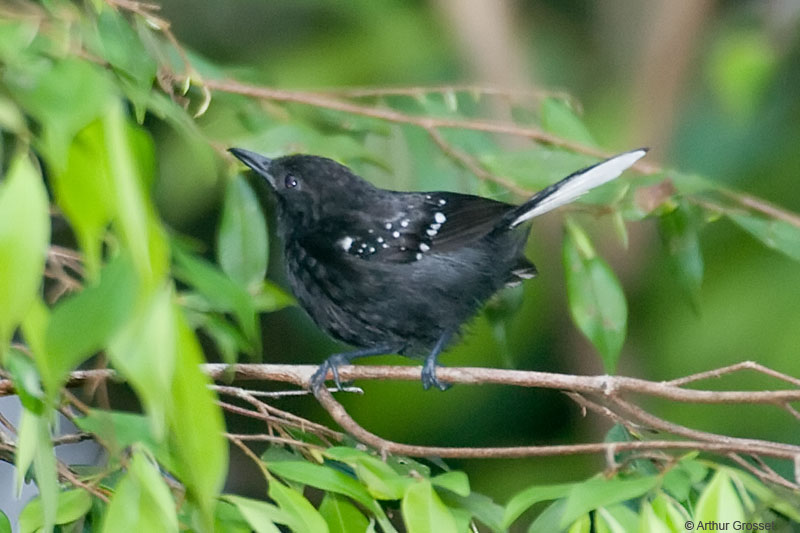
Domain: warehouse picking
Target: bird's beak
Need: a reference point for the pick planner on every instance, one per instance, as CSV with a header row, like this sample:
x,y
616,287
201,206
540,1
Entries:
x,y
257,162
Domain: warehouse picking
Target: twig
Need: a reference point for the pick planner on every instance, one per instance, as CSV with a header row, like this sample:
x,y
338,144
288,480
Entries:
x,y
261,437
744,365
480,90
469,162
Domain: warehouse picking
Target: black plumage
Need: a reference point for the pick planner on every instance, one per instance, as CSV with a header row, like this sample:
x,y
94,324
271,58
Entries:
x,y
400,272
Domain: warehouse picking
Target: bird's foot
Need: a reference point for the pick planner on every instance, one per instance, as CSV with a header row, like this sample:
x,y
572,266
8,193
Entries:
x,y
429,378
332,363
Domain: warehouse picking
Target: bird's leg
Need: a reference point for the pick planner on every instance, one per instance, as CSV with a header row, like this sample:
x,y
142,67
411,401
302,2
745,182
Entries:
x,y
333,362
429,367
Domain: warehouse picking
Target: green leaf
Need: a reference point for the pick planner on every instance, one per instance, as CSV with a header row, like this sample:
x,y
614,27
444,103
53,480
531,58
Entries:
x,y
136,219
599,492
480,507
221,293
301,515
559,118
27,444
549,520
677,483
123,49
424,512
678,230
24,237
5,524
25,377
382,482
323,478
144,352
242,244
454,481
55,509
341,515
228,518
83,191
524,500
64,98
118,430
260,515
141,501
72,504
200,450
582,525
105,305
670,512
649,522
228,340
788,506
776,234
270,297
616,519
719,501
596,301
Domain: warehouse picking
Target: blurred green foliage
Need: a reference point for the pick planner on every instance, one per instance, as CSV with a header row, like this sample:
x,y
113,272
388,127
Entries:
x,y
109,130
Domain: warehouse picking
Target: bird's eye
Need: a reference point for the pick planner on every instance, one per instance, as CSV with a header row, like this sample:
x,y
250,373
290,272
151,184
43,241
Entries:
x,y
290,182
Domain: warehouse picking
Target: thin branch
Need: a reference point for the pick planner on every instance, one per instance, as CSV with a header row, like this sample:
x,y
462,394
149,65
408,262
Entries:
x,y
425,122
469,162
340,415
762,206
766,475
744,365
477,90
261,437
604,385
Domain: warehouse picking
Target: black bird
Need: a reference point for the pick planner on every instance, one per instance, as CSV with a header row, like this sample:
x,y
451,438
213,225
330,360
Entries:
x,y
400,272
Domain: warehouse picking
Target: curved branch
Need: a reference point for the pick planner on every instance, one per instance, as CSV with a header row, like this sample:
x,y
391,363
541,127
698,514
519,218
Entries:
x,y
340,415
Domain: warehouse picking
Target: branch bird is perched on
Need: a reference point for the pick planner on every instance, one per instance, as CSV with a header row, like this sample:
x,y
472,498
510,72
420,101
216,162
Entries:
x,y
400,272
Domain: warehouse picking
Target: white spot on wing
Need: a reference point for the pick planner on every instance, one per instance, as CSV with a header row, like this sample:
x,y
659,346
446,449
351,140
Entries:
x,y
388,225
439,218
404,223
424,247
396,234
346,243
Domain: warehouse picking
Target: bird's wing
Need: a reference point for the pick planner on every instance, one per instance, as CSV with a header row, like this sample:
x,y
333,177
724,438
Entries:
x,y
413,225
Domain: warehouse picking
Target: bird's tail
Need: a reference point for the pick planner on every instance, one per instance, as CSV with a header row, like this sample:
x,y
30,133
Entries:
x,y
573,186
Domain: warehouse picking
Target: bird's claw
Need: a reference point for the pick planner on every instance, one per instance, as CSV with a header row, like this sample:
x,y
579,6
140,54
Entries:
x,y
429,378
331,363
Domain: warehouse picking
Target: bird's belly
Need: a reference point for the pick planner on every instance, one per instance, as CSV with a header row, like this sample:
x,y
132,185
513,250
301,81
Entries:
x,y
409,304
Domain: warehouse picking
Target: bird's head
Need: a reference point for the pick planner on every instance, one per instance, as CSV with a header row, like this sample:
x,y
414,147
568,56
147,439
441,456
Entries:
x,y
306,186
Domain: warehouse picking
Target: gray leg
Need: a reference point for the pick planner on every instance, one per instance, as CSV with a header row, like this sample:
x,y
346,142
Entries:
x,y
429,368
333,362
